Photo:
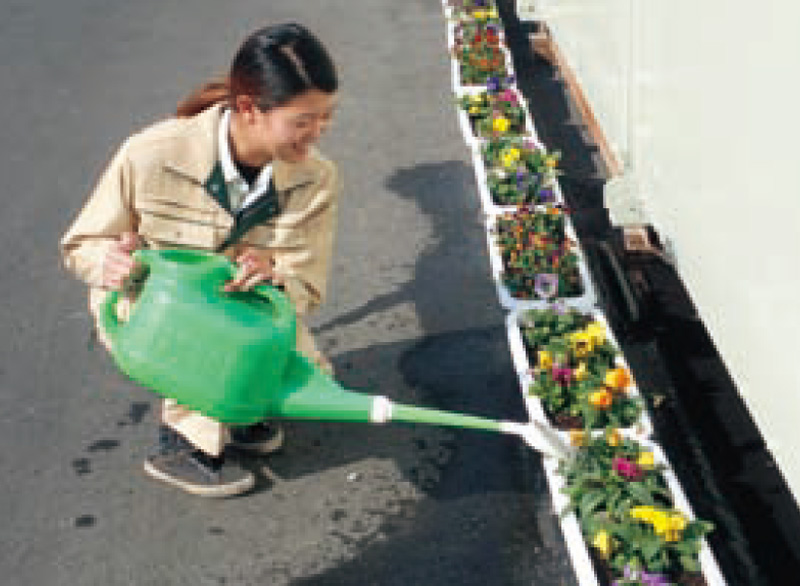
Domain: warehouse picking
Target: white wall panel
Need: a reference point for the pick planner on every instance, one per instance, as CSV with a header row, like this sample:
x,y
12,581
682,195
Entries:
x,y
710,117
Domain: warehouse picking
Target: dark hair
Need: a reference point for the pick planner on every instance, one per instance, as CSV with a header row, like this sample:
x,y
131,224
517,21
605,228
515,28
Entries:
x,y
274,65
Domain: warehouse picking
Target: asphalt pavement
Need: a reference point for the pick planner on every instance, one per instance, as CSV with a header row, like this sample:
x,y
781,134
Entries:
x,y
411,313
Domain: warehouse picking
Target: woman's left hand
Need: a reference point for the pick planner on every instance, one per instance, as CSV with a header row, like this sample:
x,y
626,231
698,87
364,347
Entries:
x,y
255,267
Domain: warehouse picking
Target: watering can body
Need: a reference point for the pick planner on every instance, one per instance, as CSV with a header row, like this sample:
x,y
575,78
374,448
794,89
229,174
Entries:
x,y
227,355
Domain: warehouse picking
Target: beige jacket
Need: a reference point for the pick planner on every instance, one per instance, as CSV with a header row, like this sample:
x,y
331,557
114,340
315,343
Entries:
x,y
160,185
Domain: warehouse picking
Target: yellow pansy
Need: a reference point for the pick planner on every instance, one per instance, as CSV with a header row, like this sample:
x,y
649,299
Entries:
x,y
492,14
581,372
480,14
474,109
602,542
545,359
550,162
581,344
646,460
643,513
613,437
476,99
501,124
510,157
597,331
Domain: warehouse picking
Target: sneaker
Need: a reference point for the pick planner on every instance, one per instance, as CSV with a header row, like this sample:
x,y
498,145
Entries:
x,y
177,463
264,438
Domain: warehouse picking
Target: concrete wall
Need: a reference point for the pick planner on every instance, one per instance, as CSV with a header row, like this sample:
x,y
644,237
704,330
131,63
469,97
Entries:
x,y
700,101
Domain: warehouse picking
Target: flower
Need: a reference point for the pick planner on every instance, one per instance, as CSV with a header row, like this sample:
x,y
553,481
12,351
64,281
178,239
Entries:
x,y
493,84
601,399
642,513
562,375
613,437
581,372
617,379
545,359
646,460
642,577
577,438
602,542
474,109
545,285
546,195
551,161
627,469
509,96
476,99
481,14
581,343
597,332
509,157
501,124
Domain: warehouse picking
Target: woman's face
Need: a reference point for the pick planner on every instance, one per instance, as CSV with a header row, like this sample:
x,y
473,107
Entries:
x,y
288,132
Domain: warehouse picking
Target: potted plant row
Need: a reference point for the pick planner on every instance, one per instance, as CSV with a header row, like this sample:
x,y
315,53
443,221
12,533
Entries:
x,y
535,256
625,518
515,172
572,372
461,32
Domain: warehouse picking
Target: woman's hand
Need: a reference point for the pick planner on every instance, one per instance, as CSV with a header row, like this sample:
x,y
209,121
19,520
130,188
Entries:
x,y
118,263
255,267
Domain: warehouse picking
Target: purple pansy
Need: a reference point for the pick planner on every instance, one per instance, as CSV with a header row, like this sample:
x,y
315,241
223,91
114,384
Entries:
x,y
546,195
493,84
645,578
562,374
627,469
545,285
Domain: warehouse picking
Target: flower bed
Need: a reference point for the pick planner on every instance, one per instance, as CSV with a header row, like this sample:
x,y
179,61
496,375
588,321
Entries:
x,y
622,500
494,112
572,372
535,256
479,10
514,172
473,64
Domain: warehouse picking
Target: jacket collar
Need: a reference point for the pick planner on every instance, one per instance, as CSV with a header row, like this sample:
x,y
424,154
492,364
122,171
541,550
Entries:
x,y
196,155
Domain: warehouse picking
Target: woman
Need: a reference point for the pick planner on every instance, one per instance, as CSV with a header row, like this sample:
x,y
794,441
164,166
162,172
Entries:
x,y
236,172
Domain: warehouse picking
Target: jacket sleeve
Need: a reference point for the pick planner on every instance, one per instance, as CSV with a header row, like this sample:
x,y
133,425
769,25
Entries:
x,y
305,271
107,213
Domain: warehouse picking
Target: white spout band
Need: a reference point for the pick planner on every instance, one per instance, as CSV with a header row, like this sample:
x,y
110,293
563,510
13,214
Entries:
x,y
381,410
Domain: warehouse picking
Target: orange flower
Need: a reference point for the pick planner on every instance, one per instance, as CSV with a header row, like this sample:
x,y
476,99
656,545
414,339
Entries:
x,y
601,399
613,438
617,379
577,438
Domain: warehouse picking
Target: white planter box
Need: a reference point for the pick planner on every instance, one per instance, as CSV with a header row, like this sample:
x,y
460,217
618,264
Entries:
x,y
642,429
455,69
482,179
472,139
585,301
452,23
577,546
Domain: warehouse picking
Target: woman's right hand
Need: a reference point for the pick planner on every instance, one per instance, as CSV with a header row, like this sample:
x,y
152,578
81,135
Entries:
x,y
118,263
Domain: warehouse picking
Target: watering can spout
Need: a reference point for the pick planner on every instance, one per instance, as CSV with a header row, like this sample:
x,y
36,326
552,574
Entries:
x,y
310,393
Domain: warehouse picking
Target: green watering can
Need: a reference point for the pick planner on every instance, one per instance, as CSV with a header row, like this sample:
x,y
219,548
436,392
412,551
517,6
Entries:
x,y
232,357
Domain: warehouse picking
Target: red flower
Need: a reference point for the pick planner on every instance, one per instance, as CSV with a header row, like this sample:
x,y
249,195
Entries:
x,y
627,469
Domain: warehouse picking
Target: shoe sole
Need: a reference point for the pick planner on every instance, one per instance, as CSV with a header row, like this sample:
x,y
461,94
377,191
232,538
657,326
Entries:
x,y
221,491
268,447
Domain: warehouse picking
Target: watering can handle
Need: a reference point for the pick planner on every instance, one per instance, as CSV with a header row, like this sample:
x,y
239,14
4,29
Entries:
x,y
109,322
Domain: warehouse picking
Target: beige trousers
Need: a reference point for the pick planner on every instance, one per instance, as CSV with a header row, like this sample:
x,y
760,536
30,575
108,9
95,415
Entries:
x,y
205,433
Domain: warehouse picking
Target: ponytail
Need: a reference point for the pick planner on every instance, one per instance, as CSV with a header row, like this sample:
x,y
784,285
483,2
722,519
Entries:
x,y
213,92
274,64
